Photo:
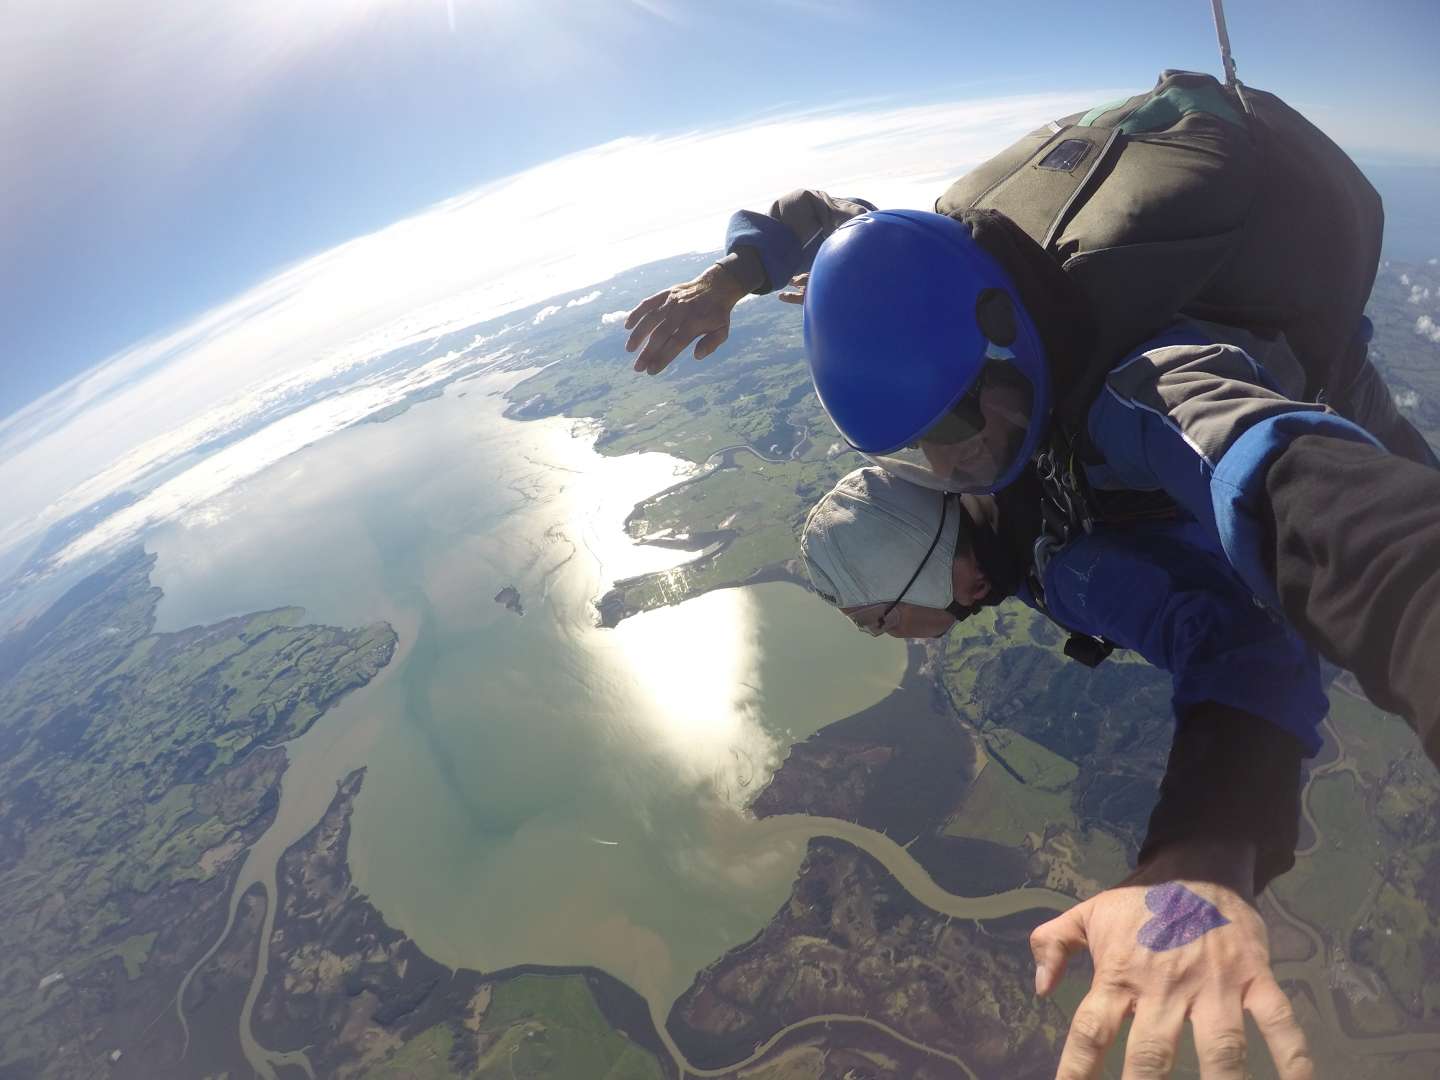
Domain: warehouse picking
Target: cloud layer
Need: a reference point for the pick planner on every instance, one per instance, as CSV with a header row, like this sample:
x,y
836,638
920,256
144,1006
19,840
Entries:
x,y
555,228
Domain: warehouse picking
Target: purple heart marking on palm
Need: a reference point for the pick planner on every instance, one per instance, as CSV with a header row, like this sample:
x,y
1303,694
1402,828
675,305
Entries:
x,y
1181,917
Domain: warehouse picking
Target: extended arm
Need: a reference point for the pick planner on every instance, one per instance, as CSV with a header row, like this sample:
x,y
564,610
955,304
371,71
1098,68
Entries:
x,y
1316,518
1353,534
1180,938
762,251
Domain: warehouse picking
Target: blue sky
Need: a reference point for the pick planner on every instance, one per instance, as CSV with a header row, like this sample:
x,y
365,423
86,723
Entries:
x,y
163,157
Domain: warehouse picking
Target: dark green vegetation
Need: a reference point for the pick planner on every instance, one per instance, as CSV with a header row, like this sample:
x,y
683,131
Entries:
x,y
851,943
135,769
361,999
1370,886
1074,755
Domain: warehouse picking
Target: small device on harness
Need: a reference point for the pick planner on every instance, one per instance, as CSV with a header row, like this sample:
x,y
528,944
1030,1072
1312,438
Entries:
x,y
1070,508
1065,513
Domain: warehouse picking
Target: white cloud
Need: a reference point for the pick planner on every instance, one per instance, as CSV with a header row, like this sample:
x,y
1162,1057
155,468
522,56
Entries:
x,y
1404,279
610,318
588,298
1433,262
146,407
1425,327
1407,399
544,313
1417,294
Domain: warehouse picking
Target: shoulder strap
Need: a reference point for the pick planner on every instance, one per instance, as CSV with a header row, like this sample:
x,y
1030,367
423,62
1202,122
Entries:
x,y
1039,191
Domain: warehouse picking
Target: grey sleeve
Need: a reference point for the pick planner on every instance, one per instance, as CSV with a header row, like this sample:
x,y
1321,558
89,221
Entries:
x,y
1209,392
812,214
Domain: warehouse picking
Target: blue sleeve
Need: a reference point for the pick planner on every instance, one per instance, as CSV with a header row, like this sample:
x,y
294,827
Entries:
x,y
1163,592
1197,438
782,253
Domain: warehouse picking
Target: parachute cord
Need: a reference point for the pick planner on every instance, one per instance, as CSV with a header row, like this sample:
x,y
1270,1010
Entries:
x,y
1217,8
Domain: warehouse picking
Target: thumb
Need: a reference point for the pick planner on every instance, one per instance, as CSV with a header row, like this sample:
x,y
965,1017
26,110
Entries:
x,y
1052,943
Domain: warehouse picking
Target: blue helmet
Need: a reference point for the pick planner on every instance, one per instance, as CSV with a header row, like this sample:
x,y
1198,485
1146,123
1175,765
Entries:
x,y
922,352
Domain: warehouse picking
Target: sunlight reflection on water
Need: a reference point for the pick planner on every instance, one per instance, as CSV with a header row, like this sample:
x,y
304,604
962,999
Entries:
x,y
539,789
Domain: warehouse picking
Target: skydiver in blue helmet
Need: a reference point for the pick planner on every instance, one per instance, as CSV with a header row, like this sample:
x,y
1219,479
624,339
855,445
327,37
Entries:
x,y
1163,295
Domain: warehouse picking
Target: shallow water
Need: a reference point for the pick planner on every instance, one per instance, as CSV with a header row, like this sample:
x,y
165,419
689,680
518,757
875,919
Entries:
x,y
539,790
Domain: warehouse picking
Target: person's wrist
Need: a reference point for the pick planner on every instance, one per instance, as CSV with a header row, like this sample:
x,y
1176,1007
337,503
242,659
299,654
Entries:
x,y
725,279
1229,865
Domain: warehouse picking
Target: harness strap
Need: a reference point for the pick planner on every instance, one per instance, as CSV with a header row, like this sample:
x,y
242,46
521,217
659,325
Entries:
x,y
1217,8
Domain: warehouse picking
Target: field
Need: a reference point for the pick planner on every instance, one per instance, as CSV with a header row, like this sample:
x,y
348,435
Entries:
x,y
549,1025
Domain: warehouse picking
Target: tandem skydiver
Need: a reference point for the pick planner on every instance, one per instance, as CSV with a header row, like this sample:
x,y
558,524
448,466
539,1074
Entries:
x,y
1180,937
1162,295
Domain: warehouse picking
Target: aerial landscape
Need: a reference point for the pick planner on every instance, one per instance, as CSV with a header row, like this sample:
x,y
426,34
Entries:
x,y
430,446
194,884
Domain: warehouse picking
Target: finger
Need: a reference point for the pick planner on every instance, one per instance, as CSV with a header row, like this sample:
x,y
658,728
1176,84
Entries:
x,y
663,347
1267,1003
660,332
1096,1023
1154,1037
645,307
1219,1027
710,342
1052,943
793,297
644,327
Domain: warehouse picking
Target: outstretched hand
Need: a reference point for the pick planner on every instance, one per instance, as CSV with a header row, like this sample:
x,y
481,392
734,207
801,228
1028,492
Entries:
x,y
671,319
1169,947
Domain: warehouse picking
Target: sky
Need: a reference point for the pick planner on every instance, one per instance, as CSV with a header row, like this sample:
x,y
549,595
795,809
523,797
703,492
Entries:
x,y
204,203
161,157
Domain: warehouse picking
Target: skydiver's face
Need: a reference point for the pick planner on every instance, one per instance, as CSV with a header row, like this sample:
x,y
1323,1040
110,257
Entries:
x,y
979,461
907,620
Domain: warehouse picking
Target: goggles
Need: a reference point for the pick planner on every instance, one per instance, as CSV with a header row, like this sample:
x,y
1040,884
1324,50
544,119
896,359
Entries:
x,y
976,441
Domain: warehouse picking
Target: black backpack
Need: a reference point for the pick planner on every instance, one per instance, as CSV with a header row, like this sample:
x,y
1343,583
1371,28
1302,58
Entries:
x,y
1201,200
